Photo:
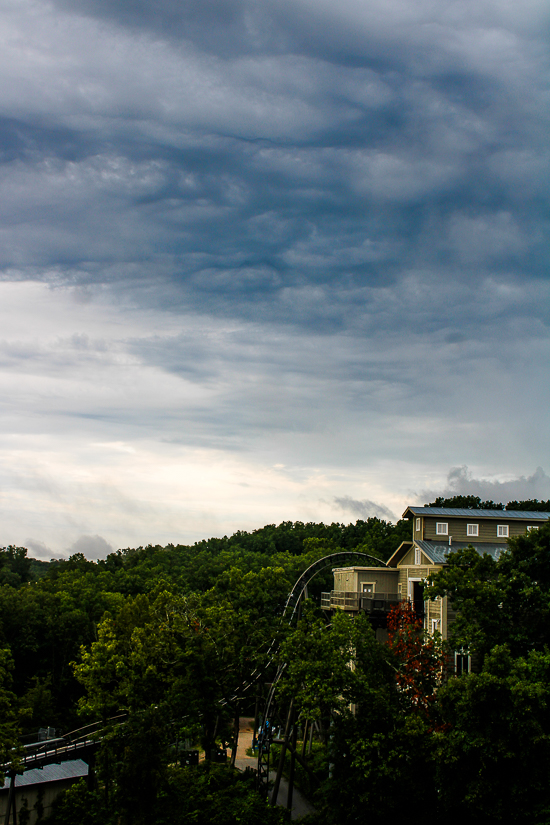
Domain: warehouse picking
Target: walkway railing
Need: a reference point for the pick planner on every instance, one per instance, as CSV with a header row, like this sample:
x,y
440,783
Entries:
x,y
355,600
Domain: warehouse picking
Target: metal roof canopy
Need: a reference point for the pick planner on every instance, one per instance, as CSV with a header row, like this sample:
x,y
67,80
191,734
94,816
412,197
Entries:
x,y
438,552
49,773
465,512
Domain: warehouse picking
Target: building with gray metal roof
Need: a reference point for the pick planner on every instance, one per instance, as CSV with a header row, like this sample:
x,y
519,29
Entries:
x,y
436,532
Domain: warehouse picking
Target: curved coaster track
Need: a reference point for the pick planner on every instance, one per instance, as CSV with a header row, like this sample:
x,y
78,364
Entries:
x,y
84,742
272,713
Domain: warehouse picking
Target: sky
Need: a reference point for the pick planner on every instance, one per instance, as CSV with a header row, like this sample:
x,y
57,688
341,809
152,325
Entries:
x,y
268,260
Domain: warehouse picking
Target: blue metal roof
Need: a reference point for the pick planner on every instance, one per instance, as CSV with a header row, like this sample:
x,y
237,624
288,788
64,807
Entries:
x,y
73,769
438,552
466,512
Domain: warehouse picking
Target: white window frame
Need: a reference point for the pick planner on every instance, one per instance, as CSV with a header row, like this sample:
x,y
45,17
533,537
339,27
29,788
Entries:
x,y
410,586
532,527
435,624
442,528
464,654
503,531
417,555
472,529
418,525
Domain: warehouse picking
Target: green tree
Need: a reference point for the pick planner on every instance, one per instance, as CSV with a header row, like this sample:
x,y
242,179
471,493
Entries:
x,y
493,760
466,502
15,567
377,742
499,602
175,664
79,806
9,720
530,504
214,795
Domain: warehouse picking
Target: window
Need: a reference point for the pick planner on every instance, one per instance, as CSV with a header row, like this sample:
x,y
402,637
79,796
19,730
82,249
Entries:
x,y
532,527
418,525
441,528
417,556
367,588
502,531
435,625
472,529
462,662
400,589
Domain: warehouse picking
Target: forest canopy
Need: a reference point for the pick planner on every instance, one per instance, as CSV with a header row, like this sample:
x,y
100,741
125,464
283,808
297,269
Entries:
x,y
168,639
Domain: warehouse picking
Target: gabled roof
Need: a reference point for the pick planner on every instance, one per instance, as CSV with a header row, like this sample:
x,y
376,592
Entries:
x,y
466,512
438,552
403,548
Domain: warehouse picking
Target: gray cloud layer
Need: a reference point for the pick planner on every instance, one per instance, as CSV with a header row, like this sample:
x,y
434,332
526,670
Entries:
x,y
340,212
460,481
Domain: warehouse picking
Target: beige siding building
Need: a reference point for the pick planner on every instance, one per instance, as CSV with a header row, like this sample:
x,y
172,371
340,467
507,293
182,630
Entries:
x,y
436,532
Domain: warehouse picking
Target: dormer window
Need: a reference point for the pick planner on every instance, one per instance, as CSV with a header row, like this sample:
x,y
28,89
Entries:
x,y
472,529
502,531
441,528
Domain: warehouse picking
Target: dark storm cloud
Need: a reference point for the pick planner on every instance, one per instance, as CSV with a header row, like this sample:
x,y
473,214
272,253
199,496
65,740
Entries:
x,y
274,160
38,550
461,481
93,547
363,509
349,201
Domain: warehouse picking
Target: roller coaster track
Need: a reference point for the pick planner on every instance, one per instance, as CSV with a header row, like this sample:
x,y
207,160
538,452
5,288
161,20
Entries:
x,y
290,615
84,741
73,745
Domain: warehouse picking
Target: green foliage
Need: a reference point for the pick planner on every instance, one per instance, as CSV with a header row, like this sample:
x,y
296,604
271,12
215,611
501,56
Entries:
x,y
15,567
493,762
378,743
530,504
331,667
9,727
44,624
381,758
466,502
79,806
499,602
309,780
475,503
214,795
170,636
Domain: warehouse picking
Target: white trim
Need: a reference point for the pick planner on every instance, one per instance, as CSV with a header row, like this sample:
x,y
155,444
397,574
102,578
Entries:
x,y
417,555
472,529
503,531
418,525
410,588
442,528
465,661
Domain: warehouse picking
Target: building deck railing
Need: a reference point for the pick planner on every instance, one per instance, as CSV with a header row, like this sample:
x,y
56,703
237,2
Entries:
x,y
353,600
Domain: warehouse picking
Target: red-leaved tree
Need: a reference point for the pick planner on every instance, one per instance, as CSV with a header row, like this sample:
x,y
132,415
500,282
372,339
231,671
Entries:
x,y
419,659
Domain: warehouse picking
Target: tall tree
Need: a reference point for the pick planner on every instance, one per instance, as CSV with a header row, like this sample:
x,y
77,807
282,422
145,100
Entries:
x,y
499,602
492,763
